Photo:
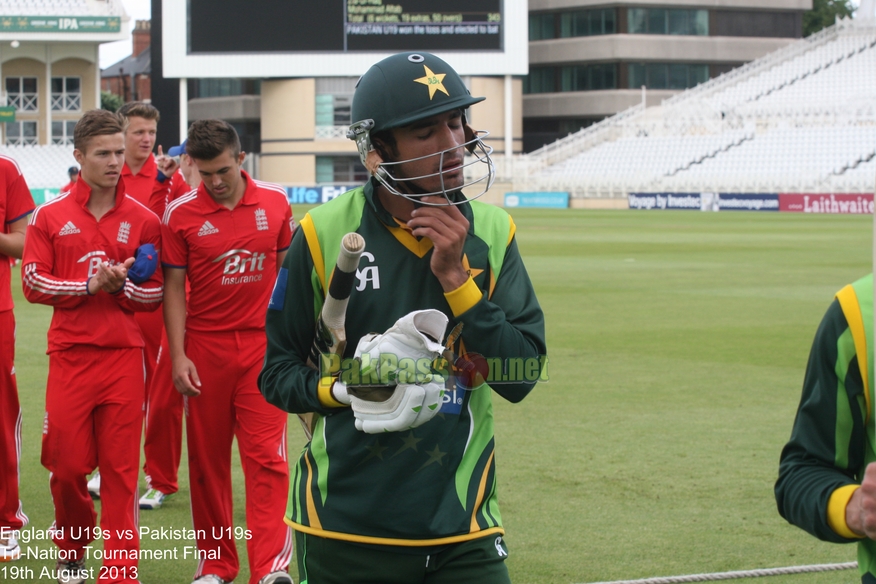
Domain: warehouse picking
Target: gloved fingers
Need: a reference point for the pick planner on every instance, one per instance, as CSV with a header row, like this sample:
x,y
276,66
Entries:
x,y
432,400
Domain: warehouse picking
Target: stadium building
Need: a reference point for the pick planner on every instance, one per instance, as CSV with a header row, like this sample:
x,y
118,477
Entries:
x,y
798,121
131,78
590,59
50,67
587,60
286,78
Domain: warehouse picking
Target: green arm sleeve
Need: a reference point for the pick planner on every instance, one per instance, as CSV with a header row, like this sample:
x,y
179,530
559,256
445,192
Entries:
x,y
509,325
827,442
285,380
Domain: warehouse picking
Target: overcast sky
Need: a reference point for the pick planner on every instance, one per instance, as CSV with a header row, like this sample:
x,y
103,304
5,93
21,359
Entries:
x,y
114,52
142,10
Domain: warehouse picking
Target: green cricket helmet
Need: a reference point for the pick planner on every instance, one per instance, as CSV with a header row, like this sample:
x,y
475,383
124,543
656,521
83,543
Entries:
x,y
401,90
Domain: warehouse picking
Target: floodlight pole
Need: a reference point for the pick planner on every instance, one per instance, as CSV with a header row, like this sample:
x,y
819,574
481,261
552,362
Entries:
x,y
183,109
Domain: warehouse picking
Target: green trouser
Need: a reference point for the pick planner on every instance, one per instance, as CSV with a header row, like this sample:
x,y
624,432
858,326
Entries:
x,y
330,561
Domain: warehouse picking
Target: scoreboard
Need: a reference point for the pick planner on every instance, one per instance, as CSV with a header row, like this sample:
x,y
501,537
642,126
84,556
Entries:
x,y
325,38
230,26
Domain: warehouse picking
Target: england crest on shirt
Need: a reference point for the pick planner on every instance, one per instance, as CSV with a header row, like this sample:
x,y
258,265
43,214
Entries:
x,y
124,232
261,220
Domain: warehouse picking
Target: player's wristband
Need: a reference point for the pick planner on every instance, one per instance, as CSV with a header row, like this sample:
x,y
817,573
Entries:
x,y
87,289
464,297
836,511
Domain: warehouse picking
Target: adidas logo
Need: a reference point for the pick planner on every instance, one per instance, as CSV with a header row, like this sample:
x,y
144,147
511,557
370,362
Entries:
x,y
68,229
207,229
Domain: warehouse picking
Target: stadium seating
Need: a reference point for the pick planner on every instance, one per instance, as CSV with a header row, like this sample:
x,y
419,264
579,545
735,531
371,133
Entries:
x,y
44,167
60,7
801,119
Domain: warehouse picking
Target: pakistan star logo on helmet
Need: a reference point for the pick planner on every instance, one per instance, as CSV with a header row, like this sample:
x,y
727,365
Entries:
x,y
433,82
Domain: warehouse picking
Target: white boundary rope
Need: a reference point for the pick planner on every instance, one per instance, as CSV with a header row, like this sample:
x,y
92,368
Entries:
x,y
739,574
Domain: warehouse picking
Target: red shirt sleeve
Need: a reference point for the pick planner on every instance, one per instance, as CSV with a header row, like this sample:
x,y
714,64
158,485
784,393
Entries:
x,y
37,281
19,203
284,239
178,187
175,253
165,192
159,197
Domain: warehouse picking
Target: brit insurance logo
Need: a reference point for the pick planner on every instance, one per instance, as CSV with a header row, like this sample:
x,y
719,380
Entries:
x,y
241,266
94,259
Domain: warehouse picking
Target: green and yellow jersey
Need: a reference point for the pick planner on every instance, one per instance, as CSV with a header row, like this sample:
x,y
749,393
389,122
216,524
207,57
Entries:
x,y
436,484
832,441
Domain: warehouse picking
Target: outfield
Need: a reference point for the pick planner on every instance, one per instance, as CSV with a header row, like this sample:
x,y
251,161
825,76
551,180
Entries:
x,y
677,345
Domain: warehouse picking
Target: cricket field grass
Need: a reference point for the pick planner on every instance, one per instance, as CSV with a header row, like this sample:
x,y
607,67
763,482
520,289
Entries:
x,y
677,344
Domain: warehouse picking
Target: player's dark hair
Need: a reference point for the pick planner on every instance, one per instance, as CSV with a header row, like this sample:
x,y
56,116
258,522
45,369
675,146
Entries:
x,y
384,142
208,139
140,109
97,122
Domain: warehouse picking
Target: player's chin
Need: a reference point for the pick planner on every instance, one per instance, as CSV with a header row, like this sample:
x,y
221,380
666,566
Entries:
x,y
109,180
449,181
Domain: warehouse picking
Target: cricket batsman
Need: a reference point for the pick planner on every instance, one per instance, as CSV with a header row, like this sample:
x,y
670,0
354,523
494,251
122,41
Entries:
x,y
399,485
827,475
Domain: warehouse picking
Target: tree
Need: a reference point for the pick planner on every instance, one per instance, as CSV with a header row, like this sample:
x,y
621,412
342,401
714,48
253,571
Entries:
x,y
110,101
824,13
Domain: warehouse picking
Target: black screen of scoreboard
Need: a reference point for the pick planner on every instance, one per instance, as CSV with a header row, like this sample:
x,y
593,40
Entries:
x,y
240,26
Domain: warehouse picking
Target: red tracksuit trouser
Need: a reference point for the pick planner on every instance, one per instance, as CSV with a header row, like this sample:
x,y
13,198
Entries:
x,y
94,416
230,405
11,514
164,412
151,326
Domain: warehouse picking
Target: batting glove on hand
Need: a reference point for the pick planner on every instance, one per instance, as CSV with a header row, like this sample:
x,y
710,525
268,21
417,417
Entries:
x,y
417,336
409,406
340,393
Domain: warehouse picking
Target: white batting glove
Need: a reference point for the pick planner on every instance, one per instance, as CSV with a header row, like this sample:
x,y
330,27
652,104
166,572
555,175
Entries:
x,y
409,406
417,336
340,392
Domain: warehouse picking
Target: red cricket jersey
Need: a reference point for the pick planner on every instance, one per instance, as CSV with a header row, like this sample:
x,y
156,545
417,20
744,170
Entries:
x,y
142,185
172,189
15,204
230,255
62,250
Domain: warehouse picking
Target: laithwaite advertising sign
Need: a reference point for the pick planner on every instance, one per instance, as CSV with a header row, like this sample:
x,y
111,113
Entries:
x,y
843,204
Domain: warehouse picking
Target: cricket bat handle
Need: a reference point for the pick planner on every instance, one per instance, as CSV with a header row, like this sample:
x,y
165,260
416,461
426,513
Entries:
x,y
330,336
